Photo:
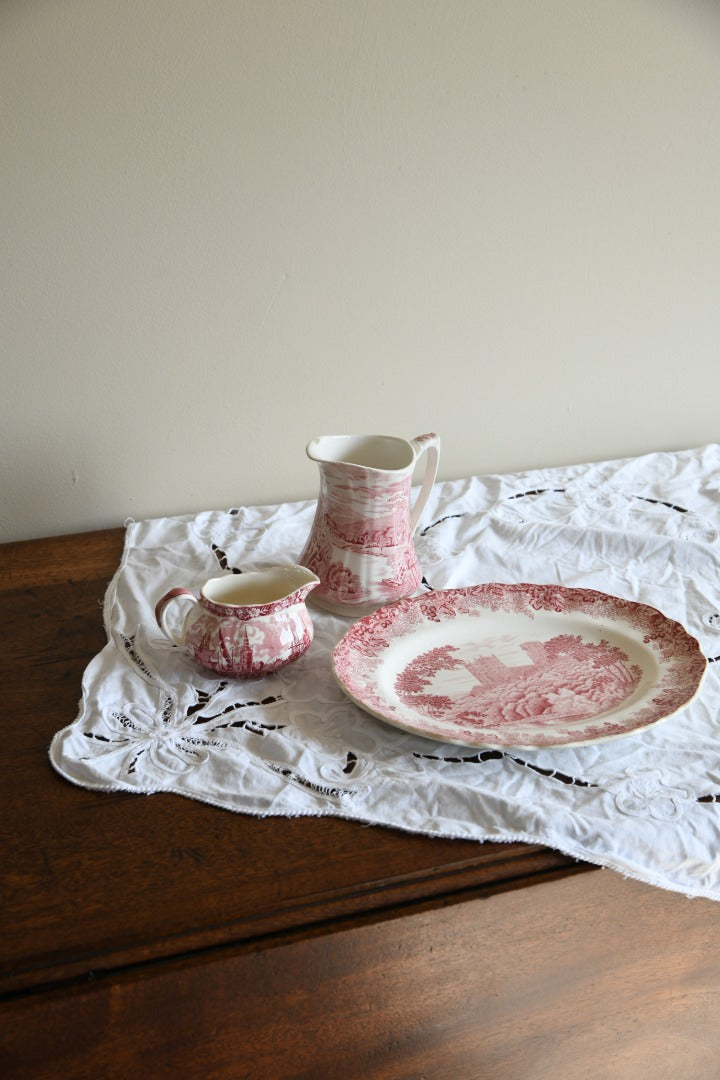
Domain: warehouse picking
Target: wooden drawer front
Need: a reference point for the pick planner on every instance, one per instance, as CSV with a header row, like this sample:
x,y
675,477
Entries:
x,y
587,976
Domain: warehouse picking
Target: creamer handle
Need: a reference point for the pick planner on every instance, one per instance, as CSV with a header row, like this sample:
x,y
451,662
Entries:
x,y
162,603
422,444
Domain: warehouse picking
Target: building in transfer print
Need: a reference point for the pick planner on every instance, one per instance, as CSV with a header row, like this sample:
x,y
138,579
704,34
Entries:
x,y
566,652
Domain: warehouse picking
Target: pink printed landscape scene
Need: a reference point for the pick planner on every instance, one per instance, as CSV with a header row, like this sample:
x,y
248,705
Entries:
x,y
563,679
523,666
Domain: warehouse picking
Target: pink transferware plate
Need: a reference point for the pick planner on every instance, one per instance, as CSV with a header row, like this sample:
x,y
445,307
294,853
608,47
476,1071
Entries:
x,y
519,666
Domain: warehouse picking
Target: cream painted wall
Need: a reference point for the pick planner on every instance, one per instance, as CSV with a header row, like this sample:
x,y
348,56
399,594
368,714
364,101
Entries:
x,y
229,226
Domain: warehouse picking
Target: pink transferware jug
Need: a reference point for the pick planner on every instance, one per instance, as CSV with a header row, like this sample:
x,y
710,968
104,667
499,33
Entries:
x,y
360,544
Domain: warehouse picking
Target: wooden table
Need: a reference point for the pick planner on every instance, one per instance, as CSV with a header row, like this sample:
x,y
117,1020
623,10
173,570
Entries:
x,y
156,936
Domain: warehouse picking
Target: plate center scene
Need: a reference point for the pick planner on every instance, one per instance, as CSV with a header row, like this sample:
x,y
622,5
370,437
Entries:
x,y
535,673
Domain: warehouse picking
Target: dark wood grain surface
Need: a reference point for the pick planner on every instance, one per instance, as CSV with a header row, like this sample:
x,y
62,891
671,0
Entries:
x,y
157,936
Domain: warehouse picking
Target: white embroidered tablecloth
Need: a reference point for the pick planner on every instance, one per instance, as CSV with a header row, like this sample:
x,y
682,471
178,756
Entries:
x,y
647,805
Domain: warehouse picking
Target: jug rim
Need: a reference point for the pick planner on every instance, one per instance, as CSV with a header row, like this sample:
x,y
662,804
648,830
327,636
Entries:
x,y
265,587
363,451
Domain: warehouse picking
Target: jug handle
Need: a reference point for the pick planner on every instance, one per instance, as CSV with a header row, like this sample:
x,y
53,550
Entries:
x,y
162,603
421,444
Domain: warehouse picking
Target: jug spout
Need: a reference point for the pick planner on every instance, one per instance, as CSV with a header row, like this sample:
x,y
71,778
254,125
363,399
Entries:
x,y
360,544
300,581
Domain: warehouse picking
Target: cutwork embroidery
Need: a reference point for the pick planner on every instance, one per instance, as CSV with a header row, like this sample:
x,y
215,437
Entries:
x,y
649,793
448,517
167,743
499,755
135,657
223,560
311,785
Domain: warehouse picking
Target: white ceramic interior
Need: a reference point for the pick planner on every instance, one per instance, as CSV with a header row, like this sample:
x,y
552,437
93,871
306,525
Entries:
x,y
370,451
258,586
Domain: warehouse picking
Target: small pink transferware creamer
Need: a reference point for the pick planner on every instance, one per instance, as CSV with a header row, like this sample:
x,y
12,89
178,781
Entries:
x,y
245,625
361,541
